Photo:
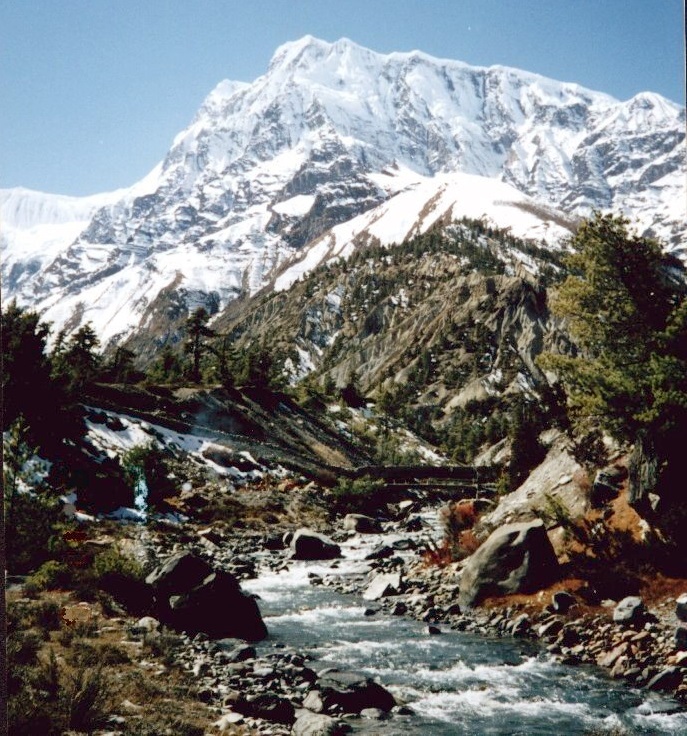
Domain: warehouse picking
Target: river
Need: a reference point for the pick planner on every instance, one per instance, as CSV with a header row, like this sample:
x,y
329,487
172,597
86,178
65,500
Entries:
x,y
455,683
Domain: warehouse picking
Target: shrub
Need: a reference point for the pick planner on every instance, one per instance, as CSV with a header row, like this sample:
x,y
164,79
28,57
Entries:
x,y
51,575
359,495
86,700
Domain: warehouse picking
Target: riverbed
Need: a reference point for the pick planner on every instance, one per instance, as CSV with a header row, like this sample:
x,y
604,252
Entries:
x,y
454,682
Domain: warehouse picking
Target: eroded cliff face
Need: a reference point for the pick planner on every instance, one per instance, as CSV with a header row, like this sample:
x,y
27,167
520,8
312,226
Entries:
x,y
444,322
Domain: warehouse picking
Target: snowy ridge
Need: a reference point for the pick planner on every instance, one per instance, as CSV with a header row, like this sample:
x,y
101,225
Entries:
x,y
278,173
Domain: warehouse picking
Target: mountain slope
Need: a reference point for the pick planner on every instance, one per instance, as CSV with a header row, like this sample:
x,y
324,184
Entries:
x,y
330,132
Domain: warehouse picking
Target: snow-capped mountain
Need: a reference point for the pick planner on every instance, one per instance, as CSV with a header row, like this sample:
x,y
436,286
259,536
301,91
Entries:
x,y
337,136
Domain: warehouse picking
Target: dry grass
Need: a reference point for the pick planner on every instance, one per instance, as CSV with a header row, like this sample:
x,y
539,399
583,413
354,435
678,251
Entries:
x,y
71,667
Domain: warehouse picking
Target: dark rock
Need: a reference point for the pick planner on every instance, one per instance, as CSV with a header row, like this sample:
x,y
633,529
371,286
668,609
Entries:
x,y
349,692
361,524
309,545
521,625
399,609
607,485
515,558
433,630
414,525
562,601
219,608
630,611
669,678
681,638
404,545
270,707
178,574
381,552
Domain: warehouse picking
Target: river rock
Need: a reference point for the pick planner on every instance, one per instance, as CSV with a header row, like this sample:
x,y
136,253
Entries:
x,y
562,601
350,692
384,585
515,558
309,545
380,552
361,524
217,607
317,724
667,679
681,607
270,707
629,611
681,638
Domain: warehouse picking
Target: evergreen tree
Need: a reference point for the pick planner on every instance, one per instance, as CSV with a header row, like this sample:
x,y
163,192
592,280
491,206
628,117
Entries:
x,y
77,362
121,368
196,346
625,302
24,367
167,368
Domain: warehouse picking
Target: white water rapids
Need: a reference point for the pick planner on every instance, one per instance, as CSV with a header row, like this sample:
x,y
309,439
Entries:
x,y
456,683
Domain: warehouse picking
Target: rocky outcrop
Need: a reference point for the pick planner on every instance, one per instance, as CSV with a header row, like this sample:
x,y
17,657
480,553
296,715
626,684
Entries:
x,y
309,545
515,558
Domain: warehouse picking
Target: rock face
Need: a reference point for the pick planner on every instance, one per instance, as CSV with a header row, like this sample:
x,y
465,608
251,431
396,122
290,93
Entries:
x,y
515,558
309,545
349,692
191,597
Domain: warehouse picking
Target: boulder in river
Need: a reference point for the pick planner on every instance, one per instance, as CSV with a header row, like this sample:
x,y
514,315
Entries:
x,y
383,585
516,558
361,524
350,692
309,545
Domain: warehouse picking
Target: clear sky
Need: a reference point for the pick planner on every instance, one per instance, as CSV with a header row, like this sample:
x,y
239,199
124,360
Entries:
x,y
92,92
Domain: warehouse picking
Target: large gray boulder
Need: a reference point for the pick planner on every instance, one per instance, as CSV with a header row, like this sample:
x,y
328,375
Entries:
x,y
178,573
347,692
318,724
309,545
190,596
516,558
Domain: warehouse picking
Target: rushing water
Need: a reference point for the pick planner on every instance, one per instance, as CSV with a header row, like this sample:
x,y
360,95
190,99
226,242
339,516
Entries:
x,y
456,683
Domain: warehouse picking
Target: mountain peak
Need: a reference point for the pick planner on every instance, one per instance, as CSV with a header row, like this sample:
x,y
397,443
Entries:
x,y
267,171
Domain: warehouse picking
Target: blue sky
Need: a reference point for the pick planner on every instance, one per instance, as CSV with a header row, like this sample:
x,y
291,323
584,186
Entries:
x,y
93,91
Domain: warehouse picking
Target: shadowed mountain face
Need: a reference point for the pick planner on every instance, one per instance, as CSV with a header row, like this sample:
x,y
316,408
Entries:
x,y
328,136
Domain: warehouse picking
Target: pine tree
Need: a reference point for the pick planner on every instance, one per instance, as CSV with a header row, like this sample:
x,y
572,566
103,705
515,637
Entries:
x,y
196,346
